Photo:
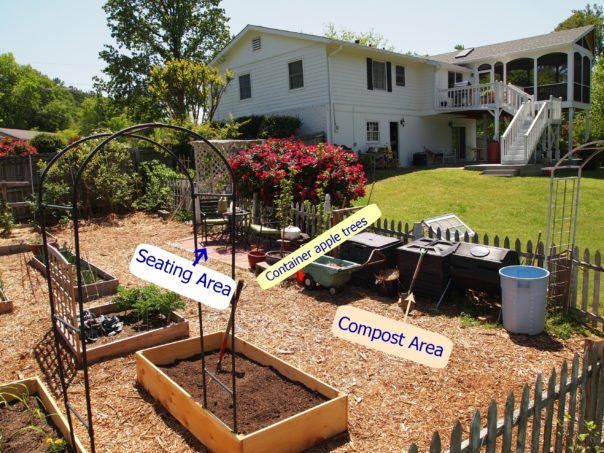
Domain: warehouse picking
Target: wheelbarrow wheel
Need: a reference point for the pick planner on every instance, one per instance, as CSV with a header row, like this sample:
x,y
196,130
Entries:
x,y
309,282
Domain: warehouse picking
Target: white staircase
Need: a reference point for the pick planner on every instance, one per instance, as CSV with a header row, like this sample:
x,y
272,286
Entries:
x,y
520,140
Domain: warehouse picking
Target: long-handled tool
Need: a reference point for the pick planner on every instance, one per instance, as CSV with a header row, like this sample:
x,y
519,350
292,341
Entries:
x,y
229,324
536,250
408,297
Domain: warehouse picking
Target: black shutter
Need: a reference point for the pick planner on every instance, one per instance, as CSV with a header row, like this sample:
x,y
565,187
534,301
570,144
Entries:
x,y
369,74
389,75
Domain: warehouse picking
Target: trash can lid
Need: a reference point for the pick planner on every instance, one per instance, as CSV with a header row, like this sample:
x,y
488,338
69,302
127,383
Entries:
x,y
479,251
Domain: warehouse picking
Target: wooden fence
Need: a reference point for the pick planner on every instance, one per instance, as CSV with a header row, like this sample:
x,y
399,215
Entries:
x,y
566,417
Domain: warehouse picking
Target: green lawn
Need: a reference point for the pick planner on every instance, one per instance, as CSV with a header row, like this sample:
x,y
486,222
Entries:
x,y
515,207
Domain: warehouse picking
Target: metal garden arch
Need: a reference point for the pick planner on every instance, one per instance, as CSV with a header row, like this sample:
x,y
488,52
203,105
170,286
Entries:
x,y
58,323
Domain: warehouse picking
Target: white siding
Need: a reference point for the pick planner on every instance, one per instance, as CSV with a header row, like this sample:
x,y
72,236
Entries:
x,y
349,75
268,69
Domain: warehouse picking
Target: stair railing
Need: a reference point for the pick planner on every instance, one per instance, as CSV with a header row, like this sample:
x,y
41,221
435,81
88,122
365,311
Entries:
x,y
533,134
515,128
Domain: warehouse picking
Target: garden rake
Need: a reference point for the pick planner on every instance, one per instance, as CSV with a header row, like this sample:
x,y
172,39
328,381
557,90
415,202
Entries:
x,y
407,299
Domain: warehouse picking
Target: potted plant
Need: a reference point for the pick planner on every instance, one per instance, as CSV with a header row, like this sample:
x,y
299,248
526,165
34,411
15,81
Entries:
x,y
386,282
283,205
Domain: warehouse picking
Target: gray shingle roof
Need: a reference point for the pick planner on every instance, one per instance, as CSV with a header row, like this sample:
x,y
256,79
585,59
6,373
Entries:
x,y
518,45
20,133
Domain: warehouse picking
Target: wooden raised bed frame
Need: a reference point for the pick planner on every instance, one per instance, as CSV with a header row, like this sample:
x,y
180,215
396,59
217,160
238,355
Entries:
x,y
6,305
180,329
294,434
106,287
37,388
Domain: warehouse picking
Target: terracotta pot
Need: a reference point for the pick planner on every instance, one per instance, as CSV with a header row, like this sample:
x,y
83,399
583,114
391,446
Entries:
x,y
254,257
493,153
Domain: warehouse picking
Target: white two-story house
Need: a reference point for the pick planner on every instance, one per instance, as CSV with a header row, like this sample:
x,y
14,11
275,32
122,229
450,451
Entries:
x,y
365,97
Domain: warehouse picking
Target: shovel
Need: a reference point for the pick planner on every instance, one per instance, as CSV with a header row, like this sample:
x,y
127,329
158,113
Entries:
x,y
229,326
408,296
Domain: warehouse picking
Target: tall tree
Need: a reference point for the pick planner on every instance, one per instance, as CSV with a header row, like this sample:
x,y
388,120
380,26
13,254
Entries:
x,y
590,15
152,32
29,99
369,38
188,89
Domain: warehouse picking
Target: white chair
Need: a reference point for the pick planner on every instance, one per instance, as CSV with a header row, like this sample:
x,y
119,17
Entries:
x,y
450,157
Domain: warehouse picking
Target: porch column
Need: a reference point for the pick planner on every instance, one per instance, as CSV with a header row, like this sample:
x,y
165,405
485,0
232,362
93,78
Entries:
x,y
587,131
485,128
535,97
496,120
571,115
570,76
505,72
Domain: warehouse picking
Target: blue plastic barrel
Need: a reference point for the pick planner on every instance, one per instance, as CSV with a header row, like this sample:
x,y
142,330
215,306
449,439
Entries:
x,y
523,298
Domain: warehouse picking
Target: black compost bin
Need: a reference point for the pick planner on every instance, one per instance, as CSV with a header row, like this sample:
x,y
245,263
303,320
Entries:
x,y
359,248
434,273
477,267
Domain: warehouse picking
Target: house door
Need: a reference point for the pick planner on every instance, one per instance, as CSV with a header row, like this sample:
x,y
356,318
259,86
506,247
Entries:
x,y
459,142
394,138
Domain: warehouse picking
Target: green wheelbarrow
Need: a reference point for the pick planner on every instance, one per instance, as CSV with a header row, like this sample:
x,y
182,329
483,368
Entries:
x,y
333,273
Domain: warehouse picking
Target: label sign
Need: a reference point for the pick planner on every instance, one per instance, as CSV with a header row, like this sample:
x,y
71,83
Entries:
x,y
177,274
394,337
319,246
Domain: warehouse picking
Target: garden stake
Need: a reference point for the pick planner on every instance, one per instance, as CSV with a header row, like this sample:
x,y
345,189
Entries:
x,y
408,296
229,325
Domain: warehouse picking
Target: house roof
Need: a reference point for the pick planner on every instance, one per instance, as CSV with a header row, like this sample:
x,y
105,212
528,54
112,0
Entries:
x,y
548,40
20,134
320,39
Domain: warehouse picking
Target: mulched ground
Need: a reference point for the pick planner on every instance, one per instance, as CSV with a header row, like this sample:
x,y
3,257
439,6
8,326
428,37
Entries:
x,y
264,395
392,402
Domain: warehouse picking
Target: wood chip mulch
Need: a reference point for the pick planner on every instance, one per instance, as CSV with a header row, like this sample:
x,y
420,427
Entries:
x,y
392,402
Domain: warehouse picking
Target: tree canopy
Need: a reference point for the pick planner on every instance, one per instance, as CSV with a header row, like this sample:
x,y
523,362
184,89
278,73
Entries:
x,y
188,89
31,100
151,33
369,38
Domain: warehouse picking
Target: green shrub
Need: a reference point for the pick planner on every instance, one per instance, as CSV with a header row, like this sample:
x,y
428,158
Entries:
x,y
6,218
47,143
157,193
148,303
108,184
279,126
272,126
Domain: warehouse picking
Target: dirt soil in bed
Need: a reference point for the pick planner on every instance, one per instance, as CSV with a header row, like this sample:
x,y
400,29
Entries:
x,y
132,326
392,402
16,439
263,395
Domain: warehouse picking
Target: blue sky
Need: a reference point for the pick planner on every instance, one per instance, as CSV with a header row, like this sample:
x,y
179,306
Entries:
x,y
62,38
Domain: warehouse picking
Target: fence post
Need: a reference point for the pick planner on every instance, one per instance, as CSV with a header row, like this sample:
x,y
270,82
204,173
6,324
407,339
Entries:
x,y
595,347
418,231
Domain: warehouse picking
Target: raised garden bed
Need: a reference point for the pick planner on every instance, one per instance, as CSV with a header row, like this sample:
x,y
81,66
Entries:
x,y
6,305
21,239
324,413
129,340
49,421
96,282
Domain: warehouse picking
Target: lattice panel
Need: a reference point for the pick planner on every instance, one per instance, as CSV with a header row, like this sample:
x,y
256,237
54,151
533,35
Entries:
x,y
212,174
63,282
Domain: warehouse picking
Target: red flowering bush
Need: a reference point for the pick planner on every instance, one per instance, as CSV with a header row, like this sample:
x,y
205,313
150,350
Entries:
x,y
315,170
11,147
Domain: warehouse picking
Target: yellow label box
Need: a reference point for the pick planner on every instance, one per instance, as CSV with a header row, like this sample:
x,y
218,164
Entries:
x,y
319,246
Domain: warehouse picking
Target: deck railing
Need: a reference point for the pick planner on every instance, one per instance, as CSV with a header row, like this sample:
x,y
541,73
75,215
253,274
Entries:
x,y
483,96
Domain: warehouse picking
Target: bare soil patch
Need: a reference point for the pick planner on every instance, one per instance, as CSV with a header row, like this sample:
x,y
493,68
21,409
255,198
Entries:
x,y
264,395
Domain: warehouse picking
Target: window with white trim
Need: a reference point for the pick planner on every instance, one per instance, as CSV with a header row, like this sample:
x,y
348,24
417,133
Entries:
x,y
400,76
379,75
296,74
245,86
373,131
